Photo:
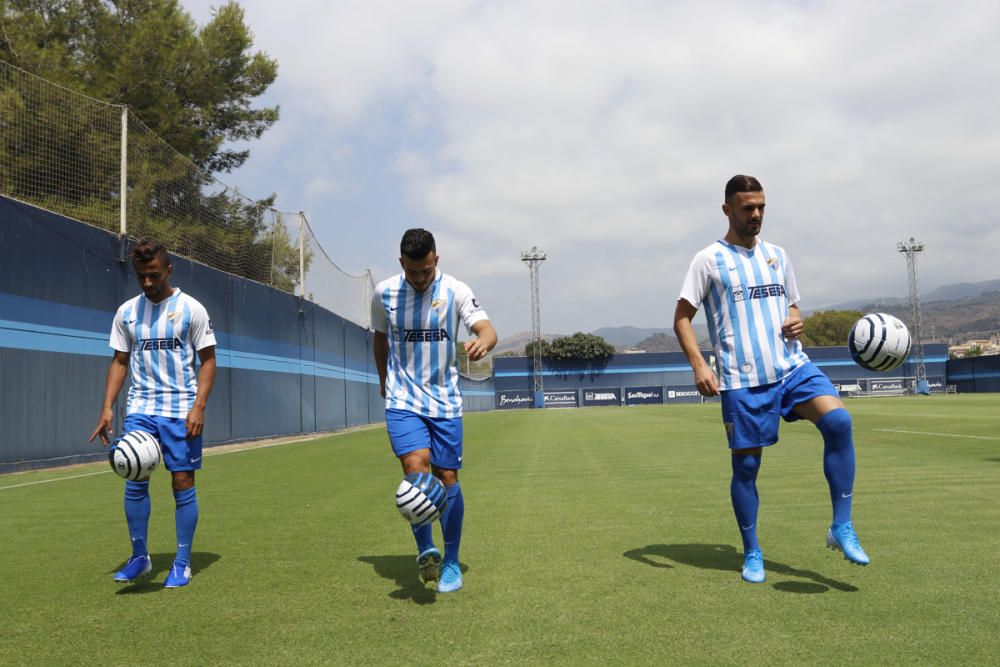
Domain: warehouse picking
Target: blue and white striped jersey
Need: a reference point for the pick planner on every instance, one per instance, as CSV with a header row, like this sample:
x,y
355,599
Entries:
x,y
746,294
162,340
422,328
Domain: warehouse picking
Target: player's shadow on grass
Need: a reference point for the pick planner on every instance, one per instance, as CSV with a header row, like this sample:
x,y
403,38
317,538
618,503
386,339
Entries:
x,y
725,557
153,582
403,571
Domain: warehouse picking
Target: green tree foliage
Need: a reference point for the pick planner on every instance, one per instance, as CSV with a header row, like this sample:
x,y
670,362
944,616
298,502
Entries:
x,y
829,327
578,346
193,88
974,351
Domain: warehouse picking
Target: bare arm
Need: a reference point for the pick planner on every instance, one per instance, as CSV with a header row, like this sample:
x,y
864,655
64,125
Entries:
x,y
485,340
195,421
793,325
380,348
117,372
704,376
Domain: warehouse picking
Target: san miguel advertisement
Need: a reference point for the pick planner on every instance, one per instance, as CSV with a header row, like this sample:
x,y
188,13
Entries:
x,y
610,396
643,395
510,399
560,399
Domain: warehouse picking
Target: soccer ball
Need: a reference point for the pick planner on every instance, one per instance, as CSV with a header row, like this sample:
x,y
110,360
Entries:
x,y
879,342
421,498
135,455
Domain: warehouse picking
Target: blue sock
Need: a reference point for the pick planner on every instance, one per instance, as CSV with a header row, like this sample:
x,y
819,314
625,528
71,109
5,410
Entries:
x,y
137,508
424,536
838,461
451,522
186,520
743,490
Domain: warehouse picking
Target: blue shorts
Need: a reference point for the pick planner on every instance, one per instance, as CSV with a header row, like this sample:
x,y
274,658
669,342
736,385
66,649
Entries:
x,y
751,416
179,452
409,432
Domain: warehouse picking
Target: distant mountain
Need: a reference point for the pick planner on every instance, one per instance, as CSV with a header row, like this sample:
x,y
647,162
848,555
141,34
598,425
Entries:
x,y
952,314
952,321
944,293
961,291
658,342
626,336
622,338
517,342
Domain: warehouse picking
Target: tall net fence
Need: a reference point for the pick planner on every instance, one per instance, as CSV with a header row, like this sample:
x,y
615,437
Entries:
x,y
100,164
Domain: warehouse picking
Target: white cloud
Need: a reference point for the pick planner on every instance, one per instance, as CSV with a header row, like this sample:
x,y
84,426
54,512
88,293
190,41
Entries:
x,y
604,133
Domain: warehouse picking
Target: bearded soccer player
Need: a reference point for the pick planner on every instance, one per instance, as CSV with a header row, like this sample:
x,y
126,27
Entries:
x,y
156,337
747,287
415,315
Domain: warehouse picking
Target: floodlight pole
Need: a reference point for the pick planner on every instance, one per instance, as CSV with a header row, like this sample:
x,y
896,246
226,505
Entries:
x,y
910,249
533,258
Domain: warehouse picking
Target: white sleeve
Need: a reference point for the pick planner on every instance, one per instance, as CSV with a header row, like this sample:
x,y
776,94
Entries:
x,y
791,288
119,334
202,334
468,306
696,282
379,321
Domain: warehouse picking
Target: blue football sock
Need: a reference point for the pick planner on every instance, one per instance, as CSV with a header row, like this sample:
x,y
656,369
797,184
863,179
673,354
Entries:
x,y
137,508
424,536
743,490
838,461
451,522
186,520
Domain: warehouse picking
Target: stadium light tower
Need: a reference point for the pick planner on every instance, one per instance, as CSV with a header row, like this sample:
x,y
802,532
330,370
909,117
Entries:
x,y
534,258
910,249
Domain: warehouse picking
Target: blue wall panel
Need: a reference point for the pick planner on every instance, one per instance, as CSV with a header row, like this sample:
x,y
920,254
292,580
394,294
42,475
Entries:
x,y
331,385
975,374
357,344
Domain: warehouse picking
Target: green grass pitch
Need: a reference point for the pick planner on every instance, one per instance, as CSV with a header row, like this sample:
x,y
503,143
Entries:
x,y
592,536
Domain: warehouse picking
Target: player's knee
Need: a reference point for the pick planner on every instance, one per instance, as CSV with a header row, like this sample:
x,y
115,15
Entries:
x,y
745,466
836,423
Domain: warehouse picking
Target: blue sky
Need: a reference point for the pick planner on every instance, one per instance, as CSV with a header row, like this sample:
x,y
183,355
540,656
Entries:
x,y
604,133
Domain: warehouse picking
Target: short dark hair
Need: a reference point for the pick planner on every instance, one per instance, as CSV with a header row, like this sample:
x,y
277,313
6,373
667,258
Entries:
x,y
147,250
742,183
417,243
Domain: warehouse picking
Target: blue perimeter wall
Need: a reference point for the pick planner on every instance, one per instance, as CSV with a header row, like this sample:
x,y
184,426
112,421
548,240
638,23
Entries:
x,y
286,366
975,374
669,375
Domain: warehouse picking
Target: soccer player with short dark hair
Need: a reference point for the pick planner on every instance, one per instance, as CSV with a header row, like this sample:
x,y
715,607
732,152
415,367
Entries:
x,y
415,315
156,337
748,289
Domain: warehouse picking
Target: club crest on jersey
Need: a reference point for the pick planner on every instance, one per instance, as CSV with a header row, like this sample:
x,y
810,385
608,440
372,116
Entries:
x,y
422,335
172,315
437,303
151,344
773,262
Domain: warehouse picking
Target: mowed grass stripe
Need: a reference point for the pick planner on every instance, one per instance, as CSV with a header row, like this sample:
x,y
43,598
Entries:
x,y
599,535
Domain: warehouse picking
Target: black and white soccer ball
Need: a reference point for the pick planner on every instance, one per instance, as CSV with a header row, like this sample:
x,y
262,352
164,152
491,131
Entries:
x,y
420,498
135,455
879,342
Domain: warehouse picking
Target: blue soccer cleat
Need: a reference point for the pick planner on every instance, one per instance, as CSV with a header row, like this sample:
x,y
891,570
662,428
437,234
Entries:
x,y
429,562
179,575
135,567
841,537
753,567
451,577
